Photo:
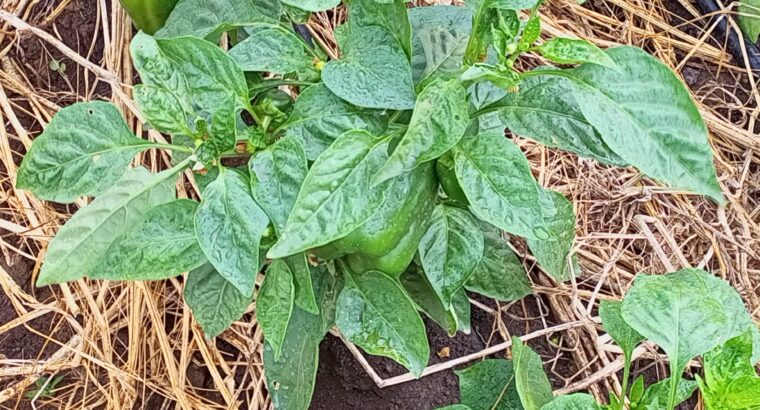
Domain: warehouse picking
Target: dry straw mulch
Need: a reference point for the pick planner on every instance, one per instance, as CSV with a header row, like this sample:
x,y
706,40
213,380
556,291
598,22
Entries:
x,y
129,344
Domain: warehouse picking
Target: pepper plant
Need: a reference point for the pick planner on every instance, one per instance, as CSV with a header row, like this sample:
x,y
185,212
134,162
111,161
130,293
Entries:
x,y
380,184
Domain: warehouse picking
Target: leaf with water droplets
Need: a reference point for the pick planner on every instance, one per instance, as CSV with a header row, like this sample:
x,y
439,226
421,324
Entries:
x,y
489,385
214,301
439,40
531,381
274,304
274,49
500,274
210,18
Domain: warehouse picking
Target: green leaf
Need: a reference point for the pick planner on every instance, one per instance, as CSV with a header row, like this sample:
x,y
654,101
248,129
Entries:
x,y
488,385
210,18
229,226
336,197
532,384
450,250
614,324
730,377
545,110
462,311
214,301
656,128
84,239
374,72
490,16
319,117
439,40
83,151
423,295
302,272
576,401
161,245
656,396
272,48
553,236
574,51
455,407
312,5
501,77
531,32
439,121
164,109
743,393
277,174
374,313
749,22
500,274
274,304
390,15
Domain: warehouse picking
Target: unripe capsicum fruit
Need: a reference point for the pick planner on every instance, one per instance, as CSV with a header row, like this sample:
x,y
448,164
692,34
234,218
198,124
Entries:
x,y
148,15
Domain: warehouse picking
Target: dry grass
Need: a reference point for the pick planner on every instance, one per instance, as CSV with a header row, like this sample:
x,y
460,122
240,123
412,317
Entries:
x,y
134,343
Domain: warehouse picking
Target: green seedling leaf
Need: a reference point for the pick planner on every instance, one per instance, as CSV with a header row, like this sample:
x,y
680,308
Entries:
x,y
439,121
656,396
375,314
336,197
319,117
161,245
272,48
80,243
423,295
450,250
545,110
488,385
374,71
439,39
575,51
614,324
229,226
214,301
532,384
312,5
576,401
553,236
390,15
500,274
274,304
210,18
531,32
277,174
646,99
83,151
730,379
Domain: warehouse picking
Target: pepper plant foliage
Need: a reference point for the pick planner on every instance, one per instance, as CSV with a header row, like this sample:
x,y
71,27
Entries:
x,y
384,189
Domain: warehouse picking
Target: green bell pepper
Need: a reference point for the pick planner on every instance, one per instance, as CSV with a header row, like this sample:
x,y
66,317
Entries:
x,y
148,15
388,241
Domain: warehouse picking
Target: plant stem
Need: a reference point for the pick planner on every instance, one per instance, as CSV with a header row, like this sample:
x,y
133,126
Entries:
x,y
626,376
173,147
674,376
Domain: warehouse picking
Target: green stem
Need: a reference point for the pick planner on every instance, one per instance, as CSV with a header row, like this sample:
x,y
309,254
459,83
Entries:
x,y
173,147
674,376
626,376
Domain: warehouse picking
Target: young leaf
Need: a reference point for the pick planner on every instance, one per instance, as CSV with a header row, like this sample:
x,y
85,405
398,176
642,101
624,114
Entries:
x,y
336,197
83,151
531,32
312,5
272,48
576,401
374,72
214,301
439,40
439,121
488,385
487,15
229,226
277,174
423,295
84,239
274,304
553,236
390,15
374,313
499,275
647,101
545,110
159,246
574,51
532,384
210,18
614,324
319,117
730,378
656,396
450,250
302,272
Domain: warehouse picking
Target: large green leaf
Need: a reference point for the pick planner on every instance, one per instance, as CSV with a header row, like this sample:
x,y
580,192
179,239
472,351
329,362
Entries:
x,y
544,109
439,39
500,274
229,226
214,301
450,250
749,18
274,304
84,239
532,384
576,401
312,5
488,385
374,72
336,197
553,237
83,151
389,14
272,48
210,18
277,174
439,121
319,117
160,245
423,295
374,313
614,324
646,115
